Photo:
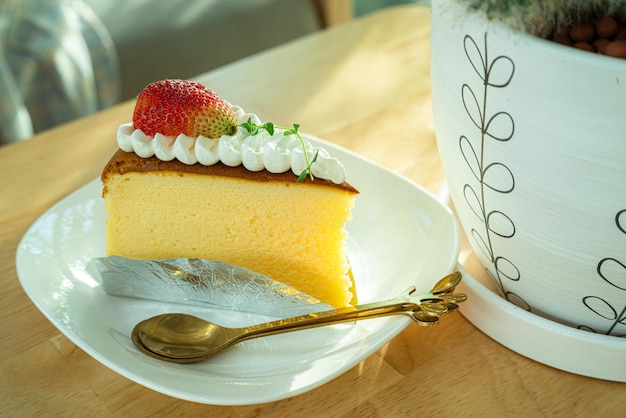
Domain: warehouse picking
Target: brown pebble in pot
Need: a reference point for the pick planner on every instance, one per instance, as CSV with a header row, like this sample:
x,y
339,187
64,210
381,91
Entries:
x,y
582,32
616,49
606,27
600,44
585,46
621,33
565,40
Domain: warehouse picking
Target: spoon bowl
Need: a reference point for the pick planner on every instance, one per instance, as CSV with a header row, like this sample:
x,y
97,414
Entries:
x,y
185,336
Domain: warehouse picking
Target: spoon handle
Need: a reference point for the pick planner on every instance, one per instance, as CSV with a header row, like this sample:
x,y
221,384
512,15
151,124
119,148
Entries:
x,y
400,305
424,309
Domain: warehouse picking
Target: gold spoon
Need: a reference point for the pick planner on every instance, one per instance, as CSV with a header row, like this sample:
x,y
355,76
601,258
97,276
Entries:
x,y
182,338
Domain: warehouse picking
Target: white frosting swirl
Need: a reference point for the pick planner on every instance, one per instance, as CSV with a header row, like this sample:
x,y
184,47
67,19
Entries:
x,y
275,153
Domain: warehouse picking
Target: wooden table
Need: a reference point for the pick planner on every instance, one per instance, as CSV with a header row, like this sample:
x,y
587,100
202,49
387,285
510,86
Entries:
x,y
364,85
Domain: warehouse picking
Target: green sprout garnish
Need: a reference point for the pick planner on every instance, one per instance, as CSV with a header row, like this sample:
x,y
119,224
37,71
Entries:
x,y
253,129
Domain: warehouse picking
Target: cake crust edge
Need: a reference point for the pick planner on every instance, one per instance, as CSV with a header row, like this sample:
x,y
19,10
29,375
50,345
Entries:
x,y
126,162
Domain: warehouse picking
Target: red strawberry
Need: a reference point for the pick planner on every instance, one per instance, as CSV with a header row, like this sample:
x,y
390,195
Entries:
x,y
173,107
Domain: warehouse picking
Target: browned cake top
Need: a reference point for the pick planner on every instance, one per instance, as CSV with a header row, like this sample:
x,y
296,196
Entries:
x,y
124,162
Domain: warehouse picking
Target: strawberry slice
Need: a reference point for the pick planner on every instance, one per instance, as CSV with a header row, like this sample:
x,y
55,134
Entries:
x,y
173,107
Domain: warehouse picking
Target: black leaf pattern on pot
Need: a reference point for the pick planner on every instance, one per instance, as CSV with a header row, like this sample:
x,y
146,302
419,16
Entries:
x,y
613,272
489,176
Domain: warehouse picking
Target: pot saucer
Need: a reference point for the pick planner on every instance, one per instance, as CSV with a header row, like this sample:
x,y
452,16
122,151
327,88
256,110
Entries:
x,y
540,339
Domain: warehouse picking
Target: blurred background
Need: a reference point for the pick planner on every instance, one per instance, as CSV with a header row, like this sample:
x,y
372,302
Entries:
x,y
64,59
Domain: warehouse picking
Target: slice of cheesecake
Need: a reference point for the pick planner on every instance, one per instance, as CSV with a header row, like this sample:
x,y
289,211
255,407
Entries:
x,y
270,223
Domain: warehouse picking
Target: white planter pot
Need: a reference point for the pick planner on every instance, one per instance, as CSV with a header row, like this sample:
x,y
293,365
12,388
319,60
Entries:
x,y
532,137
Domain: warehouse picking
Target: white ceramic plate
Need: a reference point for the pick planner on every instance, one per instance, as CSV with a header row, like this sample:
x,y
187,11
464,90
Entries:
x,y
400,236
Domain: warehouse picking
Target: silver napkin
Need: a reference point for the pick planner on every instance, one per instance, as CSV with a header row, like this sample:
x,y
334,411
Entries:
x,y
195,281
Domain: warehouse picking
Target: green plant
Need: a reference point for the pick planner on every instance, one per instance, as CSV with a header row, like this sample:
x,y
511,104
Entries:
x,y
269,127
542,17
